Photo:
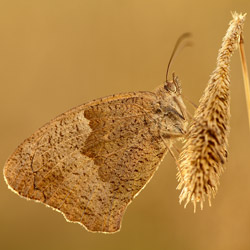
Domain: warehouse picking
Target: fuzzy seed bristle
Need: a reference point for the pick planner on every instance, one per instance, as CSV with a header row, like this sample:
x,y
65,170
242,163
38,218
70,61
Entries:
x,y
204,153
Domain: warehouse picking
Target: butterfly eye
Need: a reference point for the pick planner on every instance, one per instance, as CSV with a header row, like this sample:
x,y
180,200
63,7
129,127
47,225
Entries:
x,y
170,86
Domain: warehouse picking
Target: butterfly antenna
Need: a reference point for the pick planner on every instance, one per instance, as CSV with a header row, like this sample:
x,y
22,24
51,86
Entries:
x,y
180,39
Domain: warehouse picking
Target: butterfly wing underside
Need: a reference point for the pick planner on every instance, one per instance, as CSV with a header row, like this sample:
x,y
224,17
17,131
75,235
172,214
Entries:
x,y
90,162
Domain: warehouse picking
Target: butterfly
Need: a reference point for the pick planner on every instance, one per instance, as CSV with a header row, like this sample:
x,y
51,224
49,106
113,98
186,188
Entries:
x,y
90,162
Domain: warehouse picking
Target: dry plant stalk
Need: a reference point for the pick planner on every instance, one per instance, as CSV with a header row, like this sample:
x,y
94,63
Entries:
x,y
204,153
245,76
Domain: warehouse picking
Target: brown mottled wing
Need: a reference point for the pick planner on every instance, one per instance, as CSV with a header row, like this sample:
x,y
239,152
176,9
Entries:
x,y
91,161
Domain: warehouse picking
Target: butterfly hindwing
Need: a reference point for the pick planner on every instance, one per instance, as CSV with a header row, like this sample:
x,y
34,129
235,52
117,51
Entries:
x,y
90,162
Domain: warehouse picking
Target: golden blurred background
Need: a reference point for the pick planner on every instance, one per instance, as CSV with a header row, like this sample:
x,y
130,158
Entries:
x,y
59,54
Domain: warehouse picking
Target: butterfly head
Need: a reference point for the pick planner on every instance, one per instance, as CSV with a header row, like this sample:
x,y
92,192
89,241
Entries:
x,y
172,110
173,87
